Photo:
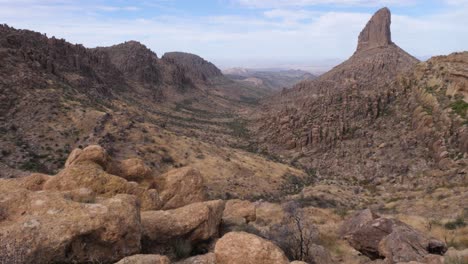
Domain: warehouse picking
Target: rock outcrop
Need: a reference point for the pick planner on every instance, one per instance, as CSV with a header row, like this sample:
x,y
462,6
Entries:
x,y
181,187
194,223
389,239
331,124
245,248
377,31
45,227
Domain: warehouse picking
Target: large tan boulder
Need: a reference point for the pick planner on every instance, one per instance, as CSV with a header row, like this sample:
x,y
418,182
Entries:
x,y
208,258
182,187
87,174
133,169
194,222
245,248
45,227
93,153
145,259
240,209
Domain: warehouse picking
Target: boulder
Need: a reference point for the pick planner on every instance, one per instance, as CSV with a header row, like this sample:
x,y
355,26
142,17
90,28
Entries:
x,y
245,248
319,254
356,221
87,174
182,187
391,239
208,258
194,222
240,209
45,227
133,169
145,259
93,153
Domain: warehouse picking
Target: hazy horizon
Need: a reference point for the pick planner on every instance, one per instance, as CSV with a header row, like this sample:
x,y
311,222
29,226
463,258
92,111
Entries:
x,y
312,35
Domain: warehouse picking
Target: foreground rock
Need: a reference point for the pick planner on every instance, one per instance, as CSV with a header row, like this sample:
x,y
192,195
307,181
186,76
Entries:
x,y
44,227
209,258
133,169
244,248
92,153
182,187
193,223
389,239
145,259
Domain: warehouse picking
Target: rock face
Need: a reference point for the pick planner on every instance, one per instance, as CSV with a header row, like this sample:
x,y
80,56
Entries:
x,y
337,121
244,248
145,259
194,223
182,187
45,227
388,239
377,31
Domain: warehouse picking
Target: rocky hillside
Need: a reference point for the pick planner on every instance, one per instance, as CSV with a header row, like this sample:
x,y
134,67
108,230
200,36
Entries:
x,y
350,123
57,96
269,79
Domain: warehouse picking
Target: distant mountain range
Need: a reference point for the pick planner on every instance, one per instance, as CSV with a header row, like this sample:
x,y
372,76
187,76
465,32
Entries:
x,y
273,79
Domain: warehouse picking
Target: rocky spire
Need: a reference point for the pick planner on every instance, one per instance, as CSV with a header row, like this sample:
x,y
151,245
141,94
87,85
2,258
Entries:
x,y
377,31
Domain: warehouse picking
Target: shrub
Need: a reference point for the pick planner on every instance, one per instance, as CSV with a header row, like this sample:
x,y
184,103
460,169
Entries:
x,y
296,235
457,223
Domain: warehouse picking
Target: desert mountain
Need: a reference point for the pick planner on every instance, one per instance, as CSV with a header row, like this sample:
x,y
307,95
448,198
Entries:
x,y
355,123
57,96
270,79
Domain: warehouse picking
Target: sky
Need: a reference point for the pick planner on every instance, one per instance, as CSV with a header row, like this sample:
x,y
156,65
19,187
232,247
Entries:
x,y
307,34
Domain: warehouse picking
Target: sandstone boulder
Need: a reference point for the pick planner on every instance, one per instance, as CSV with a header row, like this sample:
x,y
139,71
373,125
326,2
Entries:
x,y
87,174
182,187
244,248
194,222
208,258
240,209
145,259
45,227
133,169
93,153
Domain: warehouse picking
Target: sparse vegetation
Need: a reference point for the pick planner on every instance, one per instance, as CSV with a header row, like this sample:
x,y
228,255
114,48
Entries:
x,y
460,107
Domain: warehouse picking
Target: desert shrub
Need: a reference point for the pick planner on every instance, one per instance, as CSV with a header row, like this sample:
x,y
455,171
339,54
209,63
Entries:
x,y
296,234
294,184
457,223
167,159
460,107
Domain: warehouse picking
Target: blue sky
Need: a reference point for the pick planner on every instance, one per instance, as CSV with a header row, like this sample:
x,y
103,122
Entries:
x,y
248,33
